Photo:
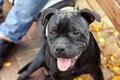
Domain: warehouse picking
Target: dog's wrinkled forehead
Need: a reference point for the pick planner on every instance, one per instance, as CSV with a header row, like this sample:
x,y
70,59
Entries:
x,y
66,13
66,17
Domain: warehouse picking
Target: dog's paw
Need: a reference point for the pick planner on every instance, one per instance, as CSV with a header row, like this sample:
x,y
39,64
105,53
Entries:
x,y
23,76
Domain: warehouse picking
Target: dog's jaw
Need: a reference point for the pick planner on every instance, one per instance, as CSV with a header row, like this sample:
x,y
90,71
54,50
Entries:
x,y
64,64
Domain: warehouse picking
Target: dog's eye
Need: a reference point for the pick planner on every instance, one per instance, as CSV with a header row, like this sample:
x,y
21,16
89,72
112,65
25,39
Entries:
x,y
52,33
76,33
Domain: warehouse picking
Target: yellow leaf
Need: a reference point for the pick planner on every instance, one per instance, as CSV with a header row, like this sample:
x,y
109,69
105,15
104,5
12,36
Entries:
x,y
96,28
112,58
116,33
78,78
101,40
116,78
115,69
7,64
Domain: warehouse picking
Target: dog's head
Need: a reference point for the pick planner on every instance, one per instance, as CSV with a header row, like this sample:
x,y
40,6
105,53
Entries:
x,y
67,34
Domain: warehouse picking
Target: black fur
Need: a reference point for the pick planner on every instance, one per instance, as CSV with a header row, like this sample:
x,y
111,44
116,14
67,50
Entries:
x,y
68,36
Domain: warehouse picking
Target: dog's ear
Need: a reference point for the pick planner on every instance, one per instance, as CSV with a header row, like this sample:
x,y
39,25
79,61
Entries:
x,y
46,15
89,15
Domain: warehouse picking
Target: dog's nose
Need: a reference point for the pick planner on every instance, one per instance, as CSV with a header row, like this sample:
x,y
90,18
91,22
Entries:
x,y
60,50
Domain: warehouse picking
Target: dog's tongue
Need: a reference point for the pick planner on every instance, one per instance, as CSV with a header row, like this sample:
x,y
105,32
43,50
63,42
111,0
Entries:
x,y
63,64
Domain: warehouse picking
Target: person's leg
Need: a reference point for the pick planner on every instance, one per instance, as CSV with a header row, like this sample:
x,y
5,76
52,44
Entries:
x,y
20,18
17,24
1,5
1,11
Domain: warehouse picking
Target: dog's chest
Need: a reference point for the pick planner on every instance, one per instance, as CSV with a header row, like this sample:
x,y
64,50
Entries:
x,y
68,75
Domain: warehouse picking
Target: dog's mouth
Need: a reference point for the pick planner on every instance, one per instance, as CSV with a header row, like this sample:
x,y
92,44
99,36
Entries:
x,y
65,63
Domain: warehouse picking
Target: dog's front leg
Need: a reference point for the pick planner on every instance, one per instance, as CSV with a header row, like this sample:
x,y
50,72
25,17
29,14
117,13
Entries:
x,y
97,74
35,64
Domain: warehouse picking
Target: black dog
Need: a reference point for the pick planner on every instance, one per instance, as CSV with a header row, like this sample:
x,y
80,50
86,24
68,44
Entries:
x,y
69,49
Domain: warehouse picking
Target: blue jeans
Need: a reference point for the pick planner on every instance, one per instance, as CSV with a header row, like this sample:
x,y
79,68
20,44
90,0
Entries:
x,y
20,18
1,3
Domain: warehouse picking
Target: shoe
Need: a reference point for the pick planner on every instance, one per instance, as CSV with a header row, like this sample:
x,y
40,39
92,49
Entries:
x,y
5,48
2,18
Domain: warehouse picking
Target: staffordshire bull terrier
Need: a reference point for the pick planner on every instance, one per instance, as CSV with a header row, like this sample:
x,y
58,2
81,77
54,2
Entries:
x,y
69,48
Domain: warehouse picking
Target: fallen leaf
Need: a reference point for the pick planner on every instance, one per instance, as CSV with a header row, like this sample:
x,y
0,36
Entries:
x,y
7,64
